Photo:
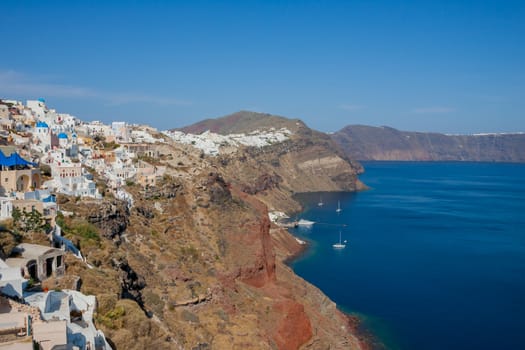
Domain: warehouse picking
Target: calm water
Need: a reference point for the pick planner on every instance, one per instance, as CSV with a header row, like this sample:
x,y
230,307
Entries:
x,y
435,257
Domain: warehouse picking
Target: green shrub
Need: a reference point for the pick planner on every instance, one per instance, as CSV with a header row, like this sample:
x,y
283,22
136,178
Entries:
x,y
87,230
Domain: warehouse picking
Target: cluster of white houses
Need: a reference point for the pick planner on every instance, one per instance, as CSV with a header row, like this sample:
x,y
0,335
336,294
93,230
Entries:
x,y
68,147
43,153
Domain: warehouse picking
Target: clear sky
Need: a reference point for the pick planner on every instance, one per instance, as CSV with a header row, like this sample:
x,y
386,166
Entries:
x,y
445,66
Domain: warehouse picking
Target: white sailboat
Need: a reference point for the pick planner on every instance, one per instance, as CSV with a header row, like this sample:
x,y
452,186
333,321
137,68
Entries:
x,y
338,210
320,201
339,245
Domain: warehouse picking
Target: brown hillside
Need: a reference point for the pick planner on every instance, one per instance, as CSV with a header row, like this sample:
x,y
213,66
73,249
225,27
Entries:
x,y
243,122
196,263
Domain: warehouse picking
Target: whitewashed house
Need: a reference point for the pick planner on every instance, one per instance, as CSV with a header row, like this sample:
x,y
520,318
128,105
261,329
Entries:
x,y
120,131
97,128
11,280
69,177
63,140
6,208
69,121
38,107
119,171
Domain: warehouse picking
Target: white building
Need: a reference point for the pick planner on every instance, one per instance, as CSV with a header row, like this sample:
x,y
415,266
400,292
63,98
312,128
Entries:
x,y
41,129
38,107
96,163
119,171
63,140
96,128
43,137
142,136
11,280
61,305
69,177
68,121
120,131
6,208
78,186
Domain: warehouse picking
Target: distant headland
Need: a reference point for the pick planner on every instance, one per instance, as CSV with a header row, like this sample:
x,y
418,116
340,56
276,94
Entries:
x,y
384,143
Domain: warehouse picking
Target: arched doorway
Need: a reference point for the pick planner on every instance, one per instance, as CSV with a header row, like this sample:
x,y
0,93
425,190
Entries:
x,y
22,183
36,181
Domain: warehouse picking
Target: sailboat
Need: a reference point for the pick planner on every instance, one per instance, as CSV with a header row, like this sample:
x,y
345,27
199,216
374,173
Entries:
x,y
320,201
339,245
338,210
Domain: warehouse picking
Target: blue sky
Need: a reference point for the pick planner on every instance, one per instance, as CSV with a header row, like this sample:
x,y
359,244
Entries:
x,y
444,66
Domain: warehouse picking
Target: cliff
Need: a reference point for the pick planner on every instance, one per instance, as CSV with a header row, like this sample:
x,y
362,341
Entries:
x,y
195,263
384,143
308,161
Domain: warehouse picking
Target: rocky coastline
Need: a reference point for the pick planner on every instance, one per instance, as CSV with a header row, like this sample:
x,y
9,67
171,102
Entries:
x,y
353,323
367,340
194,261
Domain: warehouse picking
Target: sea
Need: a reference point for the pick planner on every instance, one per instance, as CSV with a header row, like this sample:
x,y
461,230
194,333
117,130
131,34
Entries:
x,y
434,256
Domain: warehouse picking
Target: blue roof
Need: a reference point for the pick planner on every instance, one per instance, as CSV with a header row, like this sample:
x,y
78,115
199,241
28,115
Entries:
x,y
41,99
42,125
62,136
50,199
13,159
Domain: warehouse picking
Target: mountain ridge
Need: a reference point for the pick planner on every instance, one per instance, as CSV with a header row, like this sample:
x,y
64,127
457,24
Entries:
x,y
241,122
362,142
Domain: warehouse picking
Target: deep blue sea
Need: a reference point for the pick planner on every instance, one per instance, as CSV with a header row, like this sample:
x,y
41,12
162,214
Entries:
x,y
435,254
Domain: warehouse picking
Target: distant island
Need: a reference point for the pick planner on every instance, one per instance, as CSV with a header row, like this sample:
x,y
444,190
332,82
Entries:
x,y
362,142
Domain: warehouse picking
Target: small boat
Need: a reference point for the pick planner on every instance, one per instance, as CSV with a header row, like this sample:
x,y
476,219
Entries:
x,y
320,202
339,245
304,222
338,210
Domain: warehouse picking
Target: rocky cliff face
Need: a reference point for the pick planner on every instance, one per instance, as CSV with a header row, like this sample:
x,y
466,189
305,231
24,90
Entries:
x,y
309,161
196,263
383,143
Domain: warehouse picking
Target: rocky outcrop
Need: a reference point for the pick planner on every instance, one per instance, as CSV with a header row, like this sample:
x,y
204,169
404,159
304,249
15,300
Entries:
x,y
131,283
217,189
263,183
164,189
384,143
145,211
111,218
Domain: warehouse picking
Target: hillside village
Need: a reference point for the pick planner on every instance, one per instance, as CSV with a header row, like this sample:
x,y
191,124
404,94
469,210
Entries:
x,y
44,154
